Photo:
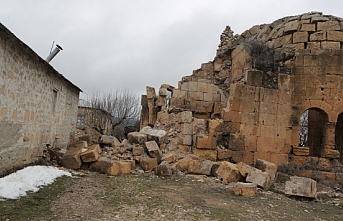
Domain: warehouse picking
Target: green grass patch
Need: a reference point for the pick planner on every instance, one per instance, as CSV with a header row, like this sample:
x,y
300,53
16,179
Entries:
x,y
33,204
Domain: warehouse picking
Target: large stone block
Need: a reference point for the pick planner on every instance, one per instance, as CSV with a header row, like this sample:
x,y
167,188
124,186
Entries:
x,y
262,179
224,154
301,36
125,167
147,163
243,156
154,150
160,136
335,36
200,167
164,169
300,186
205,154
236,142
137,138
71,159
301,151
109,140
330,153
186,117
206,142
185,139
182,165
228,172
137,150
169,158
330,45
105,165
268,167
308,27
244,169
318,36
92,154
328,26
245,189
186,128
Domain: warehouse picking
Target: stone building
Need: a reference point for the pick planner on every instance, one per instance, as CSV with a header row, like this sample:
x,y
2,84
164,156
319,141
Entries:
x,y
38,105
273,92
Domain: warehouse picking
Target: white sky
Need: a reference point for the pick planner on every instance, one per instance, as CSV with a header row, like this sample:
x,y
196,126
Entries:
x,y
30,178
130,44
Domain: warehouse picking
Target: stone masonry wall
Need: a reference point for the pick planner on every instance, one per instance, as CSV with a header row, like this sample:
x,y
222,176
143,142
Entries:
x,y
38,106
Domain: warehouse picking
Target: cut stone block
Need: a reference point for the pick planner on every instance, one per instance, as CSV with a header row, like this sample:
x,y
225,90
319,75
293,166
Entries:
x,y
329,153
262,179
245,189
186,117
71,159
169,158
153,150
200,167
109,140
105,165
164,169
301,151
137,138
268,167
137,150
182,165
244,169
147,163
228,172
206,154
160,136
301,186
92,154
125,167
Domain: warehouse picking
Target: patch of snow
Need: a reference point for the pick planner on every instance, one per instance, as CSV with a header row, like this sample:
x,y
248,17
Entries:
x,y
28,179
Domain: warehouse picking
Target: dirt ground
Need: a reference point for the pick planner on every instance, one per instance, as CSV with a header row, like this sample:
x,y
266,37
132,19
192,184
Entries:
x,y
94,196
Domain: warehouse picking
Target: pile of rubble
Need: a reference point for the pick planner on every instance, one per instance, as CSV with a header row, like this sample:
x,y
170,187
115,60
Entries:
x,y
142,152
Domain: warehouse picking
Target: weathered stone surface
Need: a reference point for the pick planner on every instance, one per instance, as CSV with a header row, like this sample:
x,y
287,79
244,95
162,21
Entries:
x,y
206,154
137,150
125,167
262,179
105,165
186,117
200,167
169,158
266,166
244,169
245,189
329,153
228,172
164,169
301,151
109,140
160,136
91,155
182,165
56,154
137,138
224,154
71,159
147,163
300,186
154,150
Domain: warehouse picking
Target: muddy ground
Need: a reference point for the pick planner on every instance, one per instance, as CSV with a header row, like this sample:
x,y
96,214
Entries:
x,y
94,196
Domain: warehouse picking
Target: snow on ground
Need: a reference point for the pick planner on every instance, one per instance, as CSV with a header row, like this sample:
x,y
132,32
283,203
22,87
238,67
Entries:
x,y
28,179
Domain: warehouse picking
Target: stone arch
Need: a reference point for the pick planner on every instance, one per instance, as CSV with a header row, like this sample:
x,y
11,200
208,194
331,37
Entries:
x,y
339,136
312,131
322,105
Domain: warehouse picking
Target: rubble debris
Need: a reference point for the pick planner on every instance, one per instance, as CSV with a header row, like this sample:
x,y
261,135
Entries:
x,y
71,159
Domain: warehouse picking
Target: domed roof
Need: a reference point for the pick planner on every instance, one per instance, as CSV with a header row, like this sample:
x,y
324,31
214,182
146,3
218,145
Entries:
x,y
307,31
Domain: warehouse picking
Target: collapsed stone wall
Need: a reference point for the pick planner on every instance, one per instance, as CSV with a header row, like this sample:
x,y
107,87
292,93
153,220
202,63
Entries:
x,y
241,108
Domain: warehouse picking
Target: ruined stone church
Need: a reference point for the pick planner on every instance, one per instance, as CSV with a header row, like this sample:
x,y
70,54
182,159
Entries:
x,y
273,92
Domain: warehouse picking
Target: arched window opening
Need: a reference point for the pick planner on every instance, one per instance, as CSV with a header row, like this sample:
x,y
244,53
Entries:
x,y
312,128
339,136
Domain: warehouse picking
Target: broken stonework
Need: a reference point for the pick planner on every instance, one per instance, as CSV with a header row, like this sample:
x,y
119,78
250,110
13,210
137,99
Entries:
x,y
245,189
200,167
137,138
71,159
300,186
262,179
91,155
159,136
244,169
164,169
105,165
109,140
147,163
228,172
153,150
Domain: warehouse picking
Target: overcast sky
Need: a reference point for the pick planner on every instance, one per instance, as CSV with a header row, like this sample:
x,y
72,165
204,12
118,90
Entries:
x,y
132,44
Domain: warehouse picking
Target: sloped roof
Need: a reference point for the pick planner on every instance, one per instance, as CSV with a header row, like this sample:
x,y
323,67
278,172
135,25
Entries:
x,y
6,32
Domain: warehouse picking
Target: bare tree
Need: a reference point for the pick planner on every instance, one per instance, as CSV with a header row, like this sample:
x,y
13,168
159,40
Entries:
x,y
122,104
